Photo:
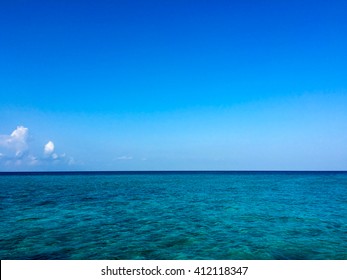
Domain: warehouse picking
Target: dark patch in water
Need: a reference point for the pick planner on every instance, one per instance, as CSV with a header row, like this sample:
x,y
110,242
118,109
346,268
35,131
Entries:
x,y
30,219
46,202
89,198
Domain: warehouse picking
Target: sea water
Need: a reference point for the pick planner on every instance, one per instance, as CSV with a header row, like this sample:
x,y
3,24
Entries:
x,y
174,215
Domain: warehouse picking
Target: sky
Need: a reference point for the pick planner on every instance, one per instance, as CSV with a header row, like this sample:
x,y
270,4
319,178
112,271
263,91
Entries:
x,y
173,85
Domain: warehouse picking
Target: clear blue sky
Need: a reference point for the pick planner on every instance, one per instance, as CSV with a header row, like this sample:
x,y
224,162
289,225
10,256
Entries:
x,y
173,85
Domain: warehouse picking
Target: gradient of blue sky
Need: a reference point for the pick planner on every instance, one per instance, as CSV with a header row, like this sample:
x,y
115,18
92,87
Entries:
x,y
153,85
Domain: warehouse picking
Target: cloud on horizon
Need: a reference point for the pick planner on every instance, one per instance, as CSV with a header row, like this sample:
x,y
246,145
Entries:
x,y
49,148
15,152
16,143
124,158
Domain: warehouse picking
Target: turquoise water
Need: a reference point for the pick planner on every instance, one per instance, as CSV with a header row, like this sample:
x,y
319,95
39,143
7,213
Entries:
x,y
216,215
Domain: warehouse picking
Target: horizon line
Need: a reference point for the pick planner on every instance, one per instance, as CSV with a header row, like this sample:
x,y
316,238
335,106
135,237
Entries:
x,y
161,171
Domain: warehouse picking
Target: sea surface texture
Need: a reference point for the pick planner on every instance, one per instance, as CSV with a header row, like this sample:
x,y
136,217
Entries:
x,y
174,215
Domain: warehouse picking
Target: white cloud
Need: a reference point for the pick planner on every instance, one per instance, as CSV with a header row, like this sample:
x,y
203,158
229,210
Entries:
x,y
124,158
33,160
20,134
49,148
15,144
17,154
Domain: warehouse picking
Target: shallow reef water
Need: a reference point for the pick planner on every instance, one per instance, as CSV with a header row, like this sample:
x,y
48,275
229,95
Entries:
x,y
174,215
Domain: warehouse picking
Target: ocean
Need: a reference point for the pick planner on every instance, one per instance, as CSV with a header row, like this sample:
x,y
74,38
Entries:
x,y
174,215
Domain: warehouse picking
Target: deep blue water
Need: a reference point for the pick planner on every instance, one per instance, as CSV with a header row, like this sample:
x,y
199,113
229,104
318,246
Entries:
x,y
174,215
